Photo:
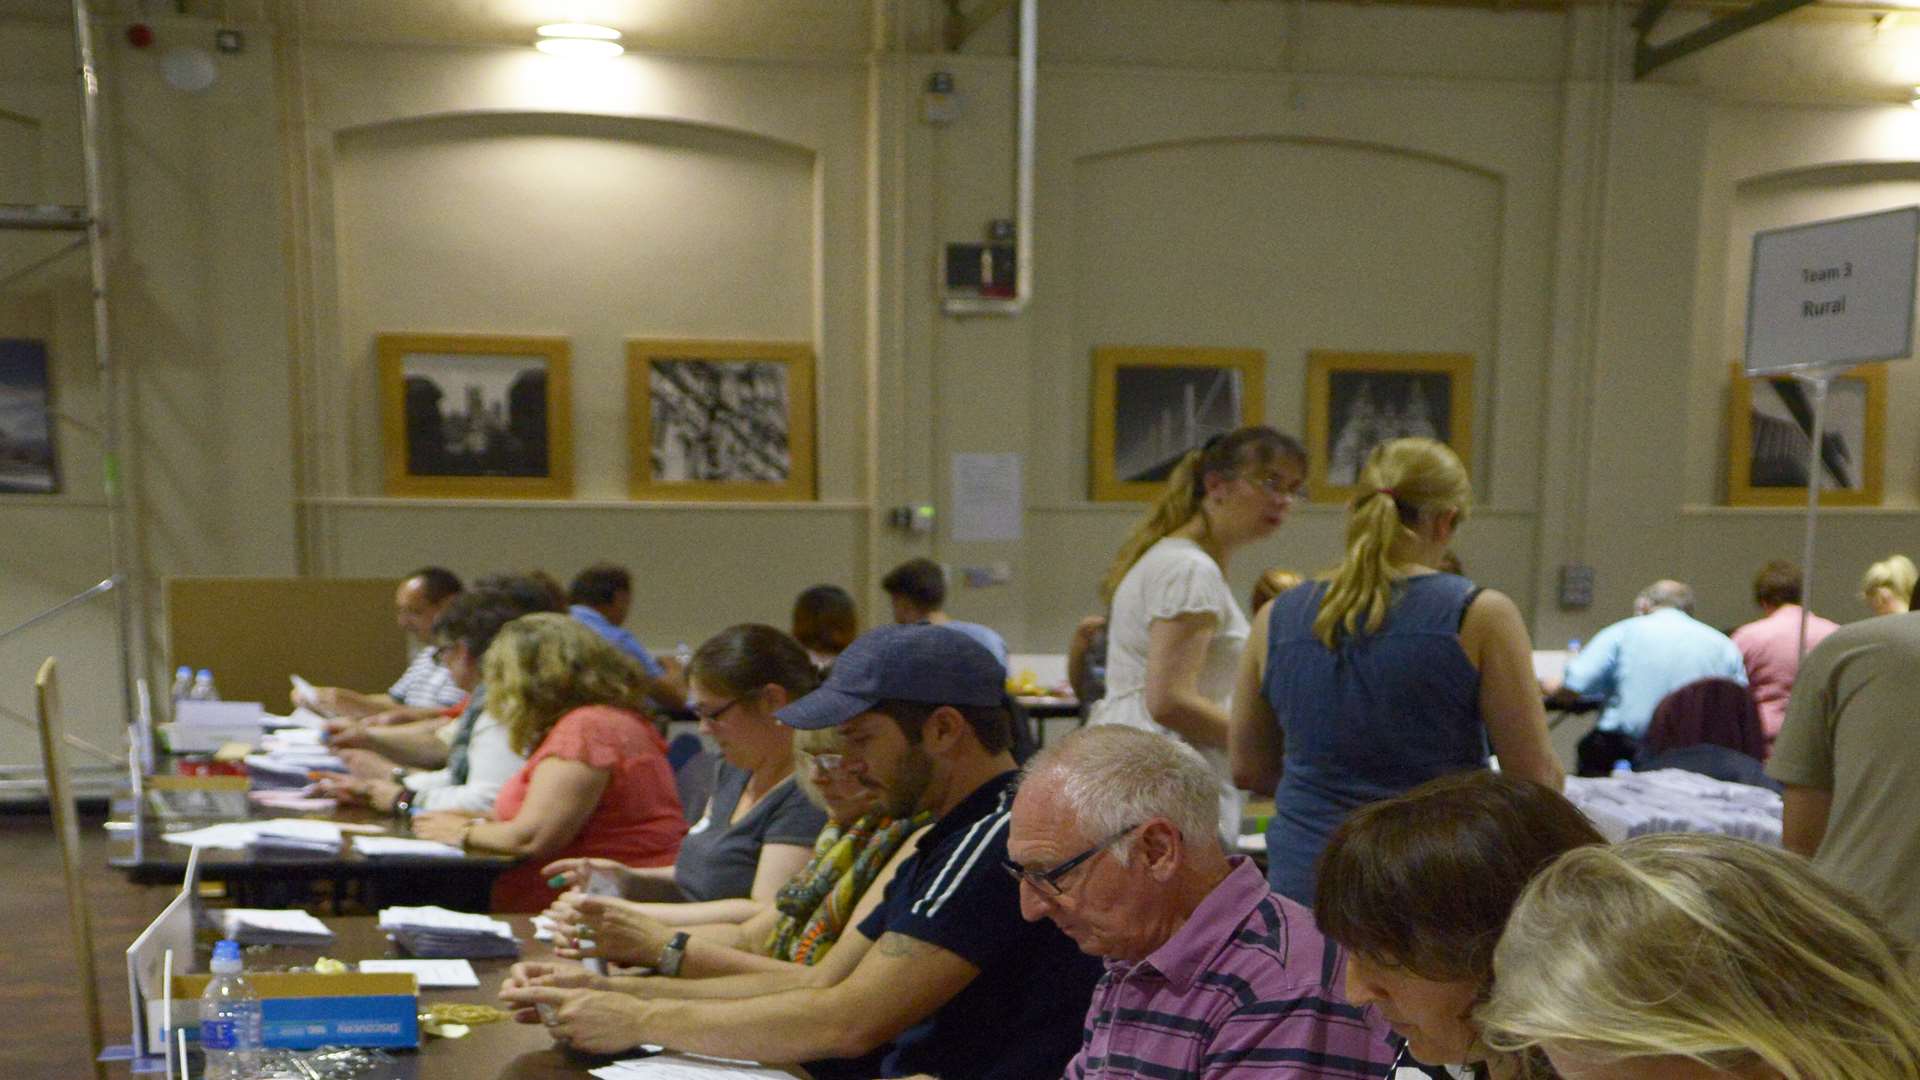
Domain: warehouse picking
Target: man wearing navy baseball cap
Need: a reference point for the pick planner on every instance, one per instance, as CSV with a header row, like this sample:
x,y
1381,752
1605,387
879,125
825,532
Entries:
x,y
944,976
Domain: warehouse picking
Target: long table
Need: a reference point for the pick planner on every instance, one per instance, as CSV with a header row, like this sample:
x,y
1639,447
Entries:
x,y
277,879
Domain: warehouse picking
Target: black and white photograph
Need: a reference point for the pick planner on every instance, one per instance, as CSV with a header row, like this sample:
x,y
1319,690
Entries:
x,y
1160,413
719,421
1367,408
476,415
27,462
1781,432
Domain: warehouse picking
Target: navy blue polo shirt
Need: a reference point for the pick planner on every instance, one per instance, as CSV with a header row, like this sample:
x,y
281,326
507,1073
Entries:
x,y
1019,1018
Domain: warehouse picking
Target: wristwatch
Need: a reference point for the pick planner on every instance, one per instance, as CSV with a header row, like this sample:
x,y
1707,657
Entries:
x,y
672,953
403,804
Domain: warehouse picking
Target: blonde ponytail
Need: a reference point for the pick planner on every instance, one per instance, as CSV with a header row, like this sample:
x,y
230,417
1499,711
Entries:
x,y
1403,479
1175,507
1187,487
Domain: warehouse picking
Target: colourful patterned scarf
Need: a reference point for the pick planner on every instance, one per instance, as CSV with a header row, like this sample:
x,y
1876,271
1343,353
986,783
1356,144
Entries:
x,y
816,902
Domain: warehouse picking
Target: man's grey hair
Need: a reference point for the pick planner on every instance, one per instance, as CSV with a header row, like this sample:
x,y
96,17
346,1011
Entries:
x,y
1673,594
1114,778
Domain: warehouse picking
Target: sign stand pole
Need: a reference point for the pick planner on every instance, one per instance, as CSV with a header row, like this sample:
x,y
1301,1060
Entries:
x,y
1818,383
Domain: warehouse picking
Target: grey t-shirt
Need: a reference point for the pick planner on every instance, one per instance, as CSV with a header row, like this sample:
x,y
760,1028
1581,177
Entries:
x,y
717,859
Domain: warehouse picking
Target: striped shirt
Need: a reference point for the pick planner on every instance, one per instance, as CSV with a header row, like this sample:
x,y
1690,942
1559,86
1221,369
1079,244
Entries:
x,y
426,684
1246,987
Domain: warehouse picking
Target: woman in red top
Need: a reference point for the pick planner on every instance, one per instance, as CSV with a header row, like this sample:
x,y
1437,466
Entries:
x,y
596,781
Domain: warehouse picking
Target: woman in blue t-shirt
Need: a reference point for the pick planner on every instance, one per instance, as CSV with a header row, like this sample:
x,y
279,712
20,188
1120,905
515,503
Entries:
x,y
1387,673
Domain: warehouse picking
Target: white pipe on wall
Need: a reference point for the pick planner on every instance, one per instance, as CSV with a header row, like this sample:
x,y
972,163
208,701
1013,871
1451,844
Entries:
x,y
1029,54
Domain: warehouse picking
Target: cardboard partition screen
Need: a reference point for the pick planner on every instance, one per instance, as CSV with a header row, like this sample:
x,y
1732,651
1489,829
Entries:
x,y
254,632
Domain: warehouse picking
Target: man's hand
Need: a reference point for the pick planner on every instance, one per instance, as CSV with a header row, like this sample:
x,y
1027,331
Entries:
x,y
347,734
595,1021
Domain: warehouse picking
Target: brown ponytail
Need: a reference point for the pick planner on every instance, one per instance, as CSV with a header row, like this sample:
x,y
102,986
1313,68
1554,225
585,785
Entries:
x,y
1403,479
1187,488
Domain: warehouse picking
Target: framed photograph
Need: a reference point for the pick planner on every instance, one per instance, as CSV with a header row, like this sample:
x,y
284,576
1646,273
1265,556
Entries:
x,y
27,462
1152,405
720,420
1770,428
1356,401
476,416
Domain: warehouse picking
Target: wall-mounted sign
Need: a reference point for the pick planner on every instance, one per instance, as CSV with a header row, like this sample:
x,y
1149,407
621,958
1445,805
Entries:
x,y
1832,294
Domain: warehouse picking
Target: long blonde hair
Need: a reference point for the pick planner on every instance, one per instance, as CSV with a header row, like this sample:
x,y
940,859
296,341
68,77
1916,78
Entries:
x,y
1186,489
543,666
1707,947
1403,479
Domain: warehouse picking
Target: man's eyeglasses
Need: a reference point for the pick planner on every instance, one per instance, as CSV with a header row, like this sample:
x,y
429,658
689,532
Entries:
x,y
1047,882
1278,483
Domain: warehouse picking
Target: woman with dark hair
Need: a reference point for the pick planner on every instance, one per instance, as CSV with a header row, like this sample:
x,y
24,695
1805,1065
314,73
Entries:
x,y
1417,890
825,622
1386,674
758,828
1174,629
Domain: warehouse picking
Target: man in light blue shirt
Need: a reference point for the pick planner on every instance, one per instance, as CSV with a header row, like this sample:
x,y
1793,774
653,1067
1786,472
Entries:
x,y
918,590
599,599
1636,662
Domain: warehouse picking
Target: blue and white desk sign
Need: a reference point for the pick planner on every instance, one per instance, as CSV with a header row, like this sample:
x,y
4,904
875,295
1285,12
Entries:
x,y
1832,294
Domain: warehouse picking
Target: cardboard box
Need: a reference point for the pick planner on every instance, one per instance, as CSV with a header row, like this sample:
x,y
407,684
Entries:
x,y
306,1010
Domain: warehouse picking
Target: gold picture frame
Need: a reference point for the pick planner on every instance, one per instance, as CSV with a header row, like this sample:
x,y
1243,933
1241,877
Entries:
x,y
1356,401
1153,404
1767,435
720,420
508,432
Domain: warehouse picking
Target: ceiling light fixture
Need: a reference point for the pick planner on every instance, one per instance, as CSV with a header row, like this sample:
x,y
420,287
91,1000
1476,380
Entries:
x,y
579,40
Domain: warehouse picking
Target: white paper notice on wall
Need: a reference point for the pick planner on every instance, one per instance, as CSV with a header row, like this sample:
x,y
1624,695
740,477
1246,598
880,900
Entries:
x,y
986,497
1832,294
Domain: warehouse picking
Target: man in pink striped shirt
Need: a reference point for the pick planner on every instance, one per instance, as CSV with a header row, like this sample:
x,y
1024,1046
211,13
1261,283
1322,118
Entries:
x,y
1209,972
1770,645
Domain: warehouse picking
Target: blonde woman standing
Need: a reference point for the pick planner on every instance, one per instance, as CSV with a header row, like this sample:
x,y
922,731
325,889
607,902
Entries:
x,y
1174,629
1692,957
1387,674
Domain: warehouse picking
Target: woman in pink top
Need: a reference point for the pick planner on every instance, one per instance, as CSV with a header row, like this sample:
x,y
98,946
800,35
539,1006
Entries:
x,y
1770,645
596,781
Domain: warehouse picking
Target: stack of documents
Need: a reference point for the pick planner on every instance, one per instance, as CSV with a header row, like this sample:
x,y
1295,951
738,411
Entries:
x,y
431,973
678,1066
376,847
306,800
1674,800
437,932
297,836
264,926
291,766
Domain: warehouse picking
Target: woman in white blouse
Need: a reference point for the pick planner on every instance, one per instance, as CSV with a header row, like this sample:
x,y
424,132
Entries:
x,y
1175,630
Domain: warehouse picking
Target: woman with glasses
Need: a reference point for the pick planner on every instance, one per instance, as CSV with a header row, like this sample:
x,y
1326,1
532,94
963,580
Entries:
x,y
854,857
596,780
1174,629
1386,674
758,828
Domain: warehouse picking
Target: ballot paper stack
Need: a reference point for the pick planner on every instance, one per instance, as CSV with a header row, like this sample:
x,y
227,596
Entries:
x,y
289,756
392,847
265,926
1674,800
437,932
296,836
675,1066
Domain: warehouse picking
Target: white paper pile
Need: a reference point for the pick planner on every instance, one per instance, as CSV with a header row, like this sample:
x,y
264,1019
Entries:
x,y
1674,800
291,766
264,926
678,1066
431,973
306,800
378,847
240,835
437,932
297,836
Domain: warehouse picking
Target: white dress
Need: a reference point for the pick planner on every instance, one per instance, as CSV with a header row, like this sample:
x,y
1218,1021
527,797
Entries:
x,y
1174,577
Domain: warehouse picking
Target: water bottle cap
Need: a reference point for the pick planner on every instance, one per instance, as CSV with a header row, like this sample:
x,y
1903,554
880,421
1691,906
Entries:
x,y
183,669
208,672
226,949
1623,765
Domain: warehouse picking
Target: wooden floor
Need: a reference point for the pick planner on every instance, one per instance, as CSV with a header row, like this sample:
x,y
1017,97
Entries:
x,y
39,990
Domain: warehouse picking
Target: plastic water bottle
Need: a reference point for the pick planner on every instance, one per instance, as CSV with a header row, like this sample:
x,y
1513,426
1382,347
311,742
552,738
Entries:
x,y
203,689
1573,646
230,1019
1623,767
182,684
683,654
